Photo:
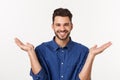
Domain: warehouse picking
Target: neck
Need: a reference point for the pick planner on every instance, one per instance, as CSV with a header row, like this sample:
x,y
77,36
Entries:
x,y
62,43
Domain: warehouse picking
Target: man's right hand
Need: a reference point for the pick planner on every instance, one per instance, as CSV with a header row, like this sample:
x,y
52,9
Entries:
x,y
26,47
35,65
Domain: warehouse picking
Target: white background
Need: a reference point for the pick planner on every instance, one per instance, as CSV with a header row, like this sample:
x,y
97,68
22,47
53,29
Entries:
x,y
95,22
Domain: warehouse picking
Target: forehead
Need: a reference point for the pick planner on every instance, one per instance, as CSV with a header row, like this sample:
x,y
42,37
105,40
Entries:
x,y
60,19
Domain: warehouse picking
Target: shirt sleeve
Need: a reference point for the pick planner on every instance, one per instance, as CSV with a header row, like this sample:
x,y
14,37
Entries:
x,y
83,60
84,57
40,76
77,78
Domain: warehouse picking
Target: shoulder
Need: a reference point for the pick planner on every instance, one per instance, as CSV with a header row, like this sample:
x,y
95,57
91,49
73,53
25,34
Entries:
x,y
80,45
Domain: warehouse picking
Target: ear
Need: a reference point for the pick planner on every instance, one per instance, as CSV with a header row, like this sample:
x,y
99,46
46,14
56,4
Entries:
x,y
71,26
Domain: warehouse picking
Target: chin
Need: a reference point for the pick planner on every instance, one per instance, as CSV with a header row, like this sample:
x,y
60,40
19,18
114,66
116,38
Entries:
x,y
63,38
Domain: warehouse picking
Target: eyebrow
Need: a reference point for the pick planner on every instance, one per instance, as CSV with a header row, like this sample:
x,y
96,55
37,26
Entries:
x,y
64,23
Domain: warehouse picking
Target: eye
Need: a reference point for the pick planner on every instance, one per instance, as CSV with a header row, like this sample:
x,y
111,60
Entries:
x,y
66,24
57,24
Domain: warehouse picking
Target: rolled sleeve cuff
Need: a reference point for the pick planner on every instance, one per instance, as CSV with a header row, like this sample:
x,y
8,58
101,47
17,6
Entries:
x,y
41,75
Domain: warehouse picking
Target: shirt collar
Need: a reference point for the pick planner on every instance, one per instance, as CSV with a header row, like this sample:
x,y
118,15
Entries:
x,y
56,46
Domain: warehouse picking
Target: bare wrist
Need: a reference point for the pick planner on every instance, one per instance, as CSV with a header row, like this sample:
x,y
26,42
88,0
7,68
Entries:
x,y
91,55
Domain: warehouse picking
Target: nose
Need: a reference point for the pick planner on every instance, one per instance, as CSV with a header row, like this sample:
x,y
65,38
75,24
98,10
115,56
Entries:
x,y
62,28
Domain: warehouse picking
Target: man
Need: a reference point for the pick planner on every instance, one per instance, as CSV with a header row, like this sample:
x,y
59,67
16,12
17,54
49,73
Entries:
x,y
61,58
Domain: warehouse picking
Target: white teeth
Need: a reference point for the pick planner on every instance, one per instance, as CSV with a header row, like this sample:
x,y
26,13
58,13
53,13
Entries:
x,y
62,33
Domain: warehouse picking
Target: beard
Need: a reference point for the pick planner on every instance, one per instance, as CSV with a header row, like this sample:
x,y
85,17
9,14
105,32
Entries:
x,y
62,37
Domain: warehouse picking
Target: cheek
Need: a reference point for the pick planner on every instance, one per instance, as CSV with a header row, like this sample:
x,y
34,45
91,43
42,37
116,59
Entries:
x,y
69,29
55,29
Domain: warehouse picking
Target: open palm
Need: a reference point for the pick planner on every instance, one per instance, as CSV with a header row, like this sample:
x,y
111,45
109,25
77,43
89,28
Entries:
x,y
97,50
25,47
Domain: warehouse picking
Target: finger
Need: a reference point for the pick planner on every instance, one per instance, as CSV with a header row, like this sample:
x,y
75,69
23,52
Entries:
x,y
95,46
18,42
30,44
106,45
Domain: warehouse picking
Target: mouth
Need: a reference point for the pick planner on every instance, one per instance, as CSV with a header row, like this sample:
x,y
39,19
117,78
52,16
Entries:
x,y
62,33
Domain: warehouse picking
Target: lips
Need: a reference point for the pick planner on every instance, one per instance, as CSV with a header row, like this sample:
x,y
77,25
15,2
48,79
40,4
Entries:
x,y
62,33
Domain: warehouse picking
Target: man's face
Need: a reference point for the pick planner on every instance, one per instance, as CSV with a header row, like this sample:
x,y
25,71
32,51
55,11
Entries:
x,y
62,27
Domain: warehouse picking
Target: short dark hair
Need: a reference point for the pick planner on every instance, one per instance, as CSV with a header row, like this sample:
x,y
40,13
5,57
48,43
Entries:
x,y
62,12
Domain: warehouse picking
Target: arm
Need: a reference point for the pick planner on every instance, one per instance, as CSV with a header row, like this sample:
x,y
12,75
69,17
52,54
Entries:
x,y
29,48
85,74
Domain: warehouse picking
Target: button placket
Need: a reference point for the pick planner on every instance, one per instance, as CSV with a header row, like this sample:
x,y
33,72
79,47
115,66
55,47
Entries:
x,y
62,64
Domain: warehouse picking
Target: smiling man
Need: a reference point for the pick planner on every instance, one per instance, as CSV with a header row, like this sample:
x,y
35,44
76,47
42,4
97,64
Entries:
x,y
61,58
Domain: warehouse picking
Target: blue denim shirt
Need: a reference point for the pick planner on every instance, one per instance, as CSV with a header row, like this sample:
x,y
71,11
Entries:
x,y
60,63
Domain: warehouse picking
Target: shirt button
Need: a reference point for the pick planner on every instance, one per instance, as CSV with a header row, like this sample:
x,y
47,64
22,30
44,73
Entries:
x,y
62,63
62,51
62,76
